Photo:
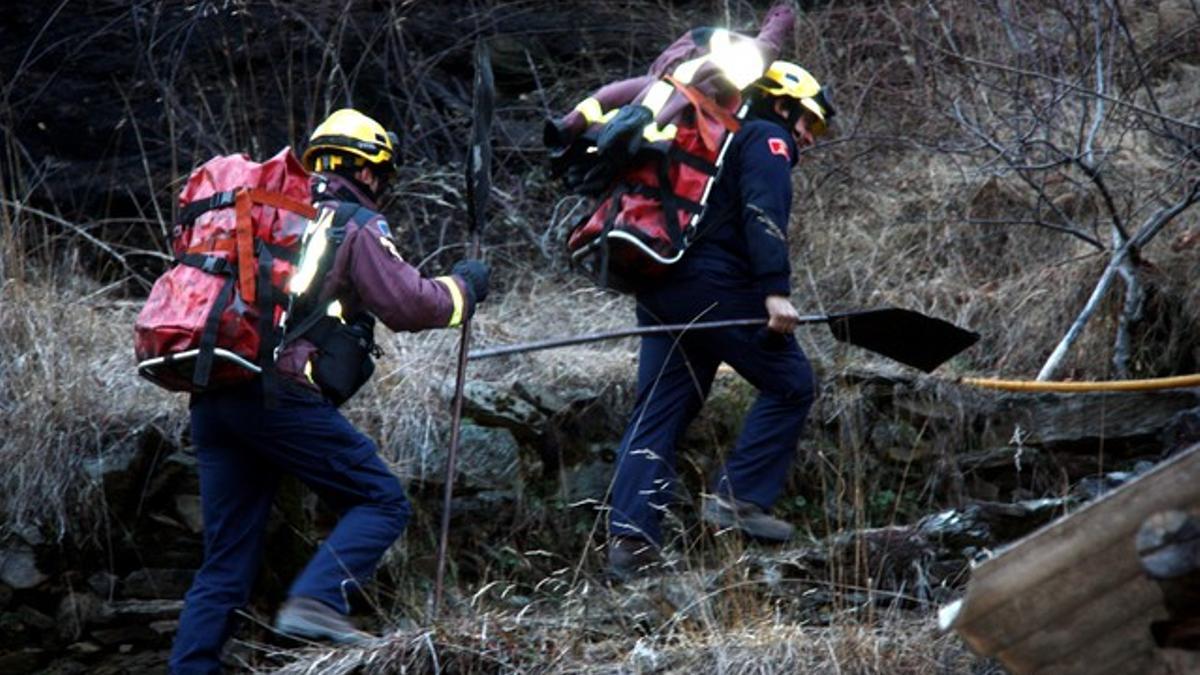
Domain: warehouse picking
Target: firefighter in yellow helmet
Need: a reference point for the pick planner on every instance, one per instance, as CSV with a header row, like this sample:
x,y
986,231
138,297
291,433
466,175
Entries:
x,y
737,267
789,95
244,445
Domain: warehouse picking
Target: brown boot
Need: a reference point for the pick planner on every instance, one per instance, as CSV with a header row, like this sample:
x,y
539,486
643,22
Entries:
x,y
630,558
749,519
309,619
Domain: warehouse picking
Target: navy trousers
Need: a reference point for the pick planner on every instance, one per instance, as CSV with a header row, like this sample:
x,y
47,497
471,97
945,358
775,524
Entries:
x,y
243,448
675,373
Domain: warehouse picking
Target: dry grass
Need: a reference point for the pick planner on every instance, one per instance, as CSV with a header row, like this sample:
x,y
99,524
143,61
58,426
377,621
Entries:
x,y
688,624
881,215
69,398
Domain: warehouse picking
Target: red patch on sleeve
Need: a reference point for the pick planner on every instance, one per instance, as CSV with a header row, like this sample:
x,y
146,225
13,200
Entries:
x,y
778,146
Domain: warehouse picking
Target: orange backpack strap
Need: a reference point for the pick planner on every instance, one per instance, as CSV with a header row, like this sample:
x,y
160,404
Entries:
x,y
244,235
710,108
281,201
245,232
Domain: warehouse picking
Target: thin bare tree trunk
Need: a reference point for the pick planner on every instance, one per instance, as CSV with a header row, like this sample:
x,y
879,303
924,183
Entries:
x,y
1153,225
1131,313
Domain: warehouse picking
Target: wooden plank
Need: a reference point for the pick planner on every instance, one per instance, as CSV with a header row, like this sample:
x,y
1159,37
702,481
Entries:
x,y
1084,562
1087,634
1052,599
1128,650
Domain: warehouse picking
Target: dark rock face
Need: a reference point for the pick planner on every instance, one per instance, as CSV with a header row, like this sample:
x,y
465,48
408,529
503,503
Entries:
x,y
112,103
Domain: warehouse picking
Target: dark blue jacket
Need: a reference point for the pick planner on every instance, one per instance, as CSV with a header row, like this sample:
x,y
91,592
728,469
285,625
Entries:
x,y
743,235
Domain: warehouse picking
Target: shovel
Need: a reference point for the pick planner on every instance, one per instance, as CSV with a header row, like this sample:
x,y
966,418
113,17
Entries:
x,y
905,336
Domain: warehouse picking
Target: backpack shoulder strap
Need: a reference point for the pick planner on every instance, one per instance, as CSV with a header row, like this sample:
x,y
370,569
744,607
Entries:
x,y
343,214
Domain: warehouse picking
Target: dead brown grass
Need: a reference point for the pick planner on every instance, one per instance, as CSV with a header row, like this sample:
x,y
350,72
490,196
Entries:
x,y
680,626
881,213
69,401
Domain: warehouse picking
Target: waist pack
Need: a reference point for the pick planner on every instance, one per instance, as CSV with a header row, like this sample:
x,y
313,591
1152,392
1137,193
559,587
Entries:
x,y
215,318
343,362
647,214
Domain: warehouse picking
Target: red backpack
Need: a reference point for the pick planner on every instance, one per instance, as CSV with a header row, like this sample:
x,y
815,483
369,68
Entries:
x,y
214,319
647,216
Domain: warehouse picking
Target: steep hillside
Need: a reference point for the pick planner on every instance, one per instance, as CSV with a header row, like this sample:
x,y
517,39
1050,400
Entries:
x,y
989,163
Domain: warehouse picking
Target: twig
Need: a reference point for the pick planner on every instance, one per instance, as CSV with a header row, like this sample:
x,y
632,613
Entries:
x,y
81,231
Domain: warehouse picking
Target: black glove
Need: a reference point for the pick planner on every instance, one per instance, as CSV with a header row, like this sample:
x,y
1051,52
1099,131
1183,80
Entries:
x,y
621,137
476,274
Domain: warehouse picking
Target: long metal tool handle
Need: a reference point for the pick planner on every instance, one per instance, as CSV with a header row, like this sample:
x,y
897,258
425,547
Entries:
x,y
585,338
905,336
479,187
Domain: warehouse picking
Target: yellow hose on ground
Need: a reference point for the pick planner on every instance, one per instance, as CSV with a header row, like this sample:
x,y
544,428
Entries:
x,y
1175,382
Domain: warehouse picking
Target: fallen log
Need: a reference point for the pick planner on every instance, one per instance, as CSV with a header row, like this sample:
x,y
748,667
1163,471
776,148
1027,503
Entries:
x,y
1072,597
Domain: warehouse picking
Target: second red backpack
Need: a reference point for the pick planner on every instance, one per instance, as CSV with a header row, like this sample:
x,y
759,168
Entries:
x,y
645,219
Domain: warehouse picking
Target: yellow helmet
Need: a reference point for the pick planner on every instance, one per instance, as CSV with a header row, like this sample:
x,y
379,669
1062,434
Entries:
x,y
347,132
788,79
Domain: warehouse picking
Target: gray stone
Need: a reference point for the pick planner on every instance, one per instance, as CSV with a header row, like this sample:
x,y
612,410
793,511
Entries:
x,y
24,661
103,584
75,612
30,535
1182,431
190,512
124,469
141,611
490,406
590,479
34,619
18,567
174,474
83,648
116,469
165,627
554,400
989,524
489,458
149,584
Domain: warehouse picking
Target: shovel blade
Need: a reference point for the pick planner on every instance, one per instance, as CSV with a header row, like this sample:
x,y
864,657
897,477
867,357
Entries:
x,y
903,335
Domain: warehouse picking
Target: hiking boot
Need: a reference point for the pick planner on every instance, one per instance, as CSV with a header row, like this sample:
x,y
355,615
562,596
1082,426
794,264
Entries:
x,y
749,519
630,558
309,619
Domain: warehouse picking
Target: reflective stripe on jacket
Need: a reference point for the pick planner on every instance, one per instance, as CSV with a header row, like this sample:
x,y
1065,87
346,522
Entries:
x,y
368,274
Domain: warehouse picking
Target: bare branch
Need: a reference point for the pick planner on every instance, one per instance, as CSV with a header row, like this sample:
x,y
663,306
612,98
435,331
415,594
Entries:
x,y
81,231
1072,86
1146,232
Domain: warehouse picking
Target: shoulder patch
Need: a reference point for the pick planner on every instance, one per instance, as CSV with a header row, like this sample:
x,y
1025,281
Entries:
x,y
778,146
390,247
383,227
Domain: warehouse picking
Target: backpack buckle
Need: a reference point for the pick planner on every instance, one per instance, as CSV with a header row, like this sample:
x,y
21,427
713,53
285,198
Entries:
x,y
223,200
